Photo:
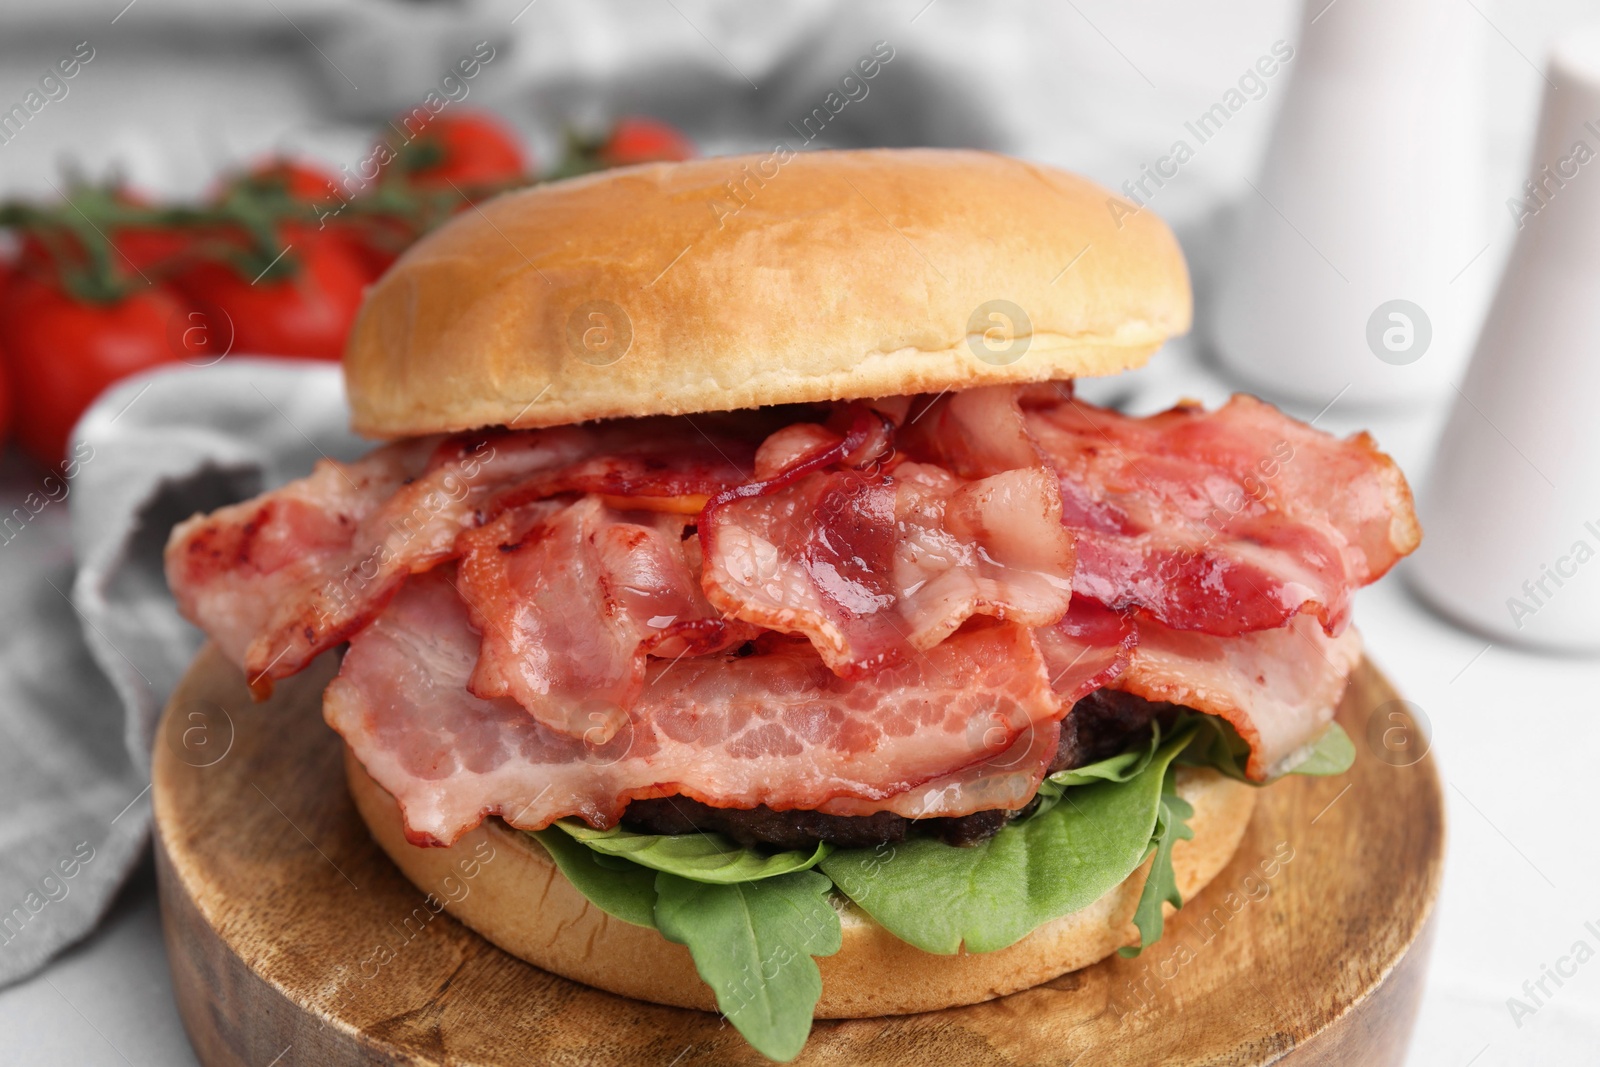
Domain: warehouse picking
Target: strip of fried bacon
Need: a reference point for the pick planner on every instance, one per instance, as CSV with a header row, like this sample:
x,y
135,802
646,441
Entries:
x,y
572,597
281,578
775,727
1226,522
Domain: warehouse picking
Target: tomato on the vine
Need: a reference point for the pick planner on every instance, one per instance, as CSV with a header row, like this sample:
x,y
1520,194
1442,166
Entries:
x,y
303,305
464,148
61,353
644,140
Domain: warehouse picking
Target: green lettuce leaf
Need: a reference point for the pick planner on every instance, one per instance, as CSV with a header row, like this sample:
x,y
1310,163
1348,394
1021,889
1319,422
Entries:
x,y
1118,768
1161,884
620,889
699,857
993,894
1219,745
753,944
1333,753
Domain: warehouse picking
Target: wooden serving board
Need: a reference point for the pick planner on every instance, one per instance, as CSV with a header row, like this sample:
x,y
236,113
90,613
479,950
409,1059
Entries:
x,y
293,940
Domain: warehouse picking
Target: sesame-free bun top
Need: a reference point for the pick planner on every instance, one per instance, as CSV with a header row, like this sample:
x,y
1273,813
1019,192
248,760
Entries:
x,y
751,280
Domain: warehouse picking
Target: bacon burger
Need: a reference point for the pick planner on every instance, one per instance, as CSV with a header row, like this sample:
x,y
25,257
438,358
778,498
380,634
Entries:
x,y
759,586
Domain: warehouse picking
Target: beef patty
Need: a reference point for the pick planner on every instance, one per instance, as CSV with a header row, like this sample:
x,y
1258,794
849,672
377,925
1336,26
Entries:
x,y
1100,725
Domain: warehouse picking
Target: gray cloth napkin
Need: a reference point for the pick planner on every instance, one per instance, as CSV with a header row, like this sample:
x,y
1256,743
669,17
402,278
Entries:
x,y
80,653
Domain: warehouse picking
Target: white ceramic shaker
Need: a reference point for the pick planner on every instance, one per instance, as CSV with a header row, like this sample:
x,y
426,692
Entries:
x,y
1346,273
1511,511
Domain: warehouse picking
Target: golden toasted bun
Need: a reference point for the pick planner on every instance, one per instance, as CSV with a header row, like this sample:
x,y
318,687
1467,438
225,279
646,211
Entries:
x,y
521,902
752,280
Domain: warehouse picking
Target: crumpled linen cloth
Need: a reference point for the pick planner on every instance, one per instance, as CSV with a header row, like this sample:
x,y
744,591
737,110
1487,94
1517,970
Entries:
x,y
84,652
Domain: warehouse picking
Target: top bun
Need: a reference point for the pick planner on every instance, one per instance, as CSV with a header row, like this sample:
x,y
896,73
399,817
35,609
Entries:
x,y
752,280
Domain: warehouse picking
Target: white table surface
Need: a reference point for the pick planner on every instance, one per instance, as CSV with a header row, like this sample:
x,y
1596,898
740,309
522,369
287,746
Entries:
x,y
1513,732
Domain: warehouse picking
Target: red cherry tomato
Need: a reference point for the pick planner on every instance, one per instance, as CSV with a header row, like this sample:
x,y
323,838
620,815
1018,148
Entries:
x,y
306,314
7,273
62,353
5,401
377,242
148,250
40,252
464,147
642,140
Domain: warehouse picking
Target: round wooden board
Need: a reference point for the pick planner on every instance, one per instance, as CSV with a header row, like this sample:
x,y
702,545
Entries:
x,y
294,940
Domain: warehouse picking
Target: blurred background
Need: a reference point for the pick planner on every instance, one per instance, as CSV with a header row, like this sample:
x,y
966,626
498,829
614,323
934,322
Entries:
x,y
179,108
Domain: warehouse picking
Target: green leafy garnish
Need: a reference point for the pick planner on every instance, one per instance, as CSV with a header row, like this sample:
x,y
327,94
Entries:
x,y
989,895
1119,768
623,890
1218,745
1332,753
699,857
753,944
1161,884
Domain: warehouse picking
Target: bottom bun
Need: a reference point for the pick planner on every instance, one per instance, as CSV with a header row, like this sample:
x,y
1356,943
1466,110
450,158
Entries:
x,y
502,884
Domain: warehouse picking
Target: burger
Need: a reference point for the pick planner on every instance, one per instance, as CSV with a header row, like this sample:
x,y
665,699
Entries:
x,y
754,589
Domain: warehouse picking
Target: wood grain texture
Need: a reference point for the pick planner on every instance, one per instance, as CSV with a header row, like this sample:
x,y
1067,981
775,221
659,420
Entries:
x,y
291,935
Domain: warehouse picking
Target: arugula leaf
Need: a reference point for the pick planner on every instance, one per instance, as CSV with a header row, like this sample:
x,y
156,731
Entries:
x,y
627,892
699,857
1161,884
993,894
752,944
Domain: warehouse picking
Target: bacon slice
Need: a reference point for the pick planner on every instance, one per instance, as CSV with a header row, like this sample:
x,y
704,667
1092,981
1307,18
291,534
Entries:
x,y
873,568
655,464
794,446
774,728
1087,648
975,432
232,569
281,578
1083,651
1226,522
1008,779
1279,688
571,597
